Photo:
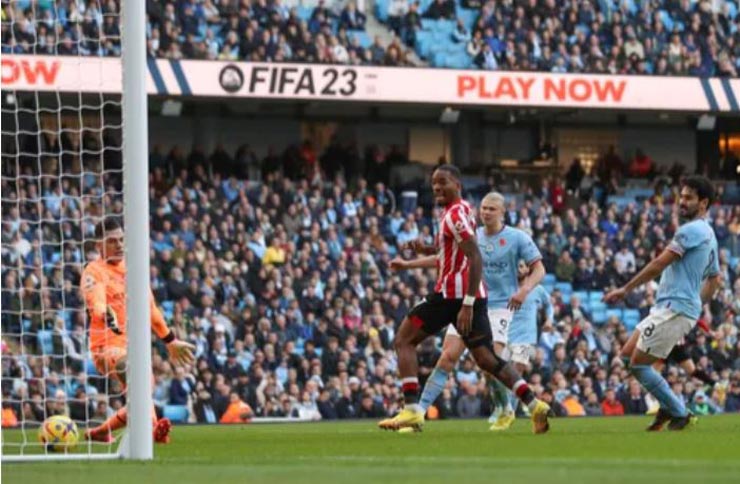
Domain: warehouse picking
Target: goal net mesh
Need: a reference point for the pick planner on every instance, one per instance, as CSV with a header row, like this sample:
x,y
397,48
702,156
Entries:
x,y
61,175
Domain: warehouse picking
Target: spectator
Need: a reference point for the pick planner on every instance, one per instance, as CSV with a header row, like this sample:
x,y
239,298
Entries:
x,y
237,411
611,406
461,34
351,18
633,400
592,407
441,9
397,10
642,166
469,405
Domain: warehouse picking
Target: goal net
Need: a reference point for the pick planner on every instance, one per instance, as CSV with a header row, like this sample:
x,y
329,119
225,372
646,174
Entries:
x,y
62,174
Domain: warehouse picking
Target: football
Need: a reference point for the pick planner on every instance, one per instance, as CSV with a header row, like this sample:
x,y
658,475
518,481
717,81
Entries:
x,y
58,433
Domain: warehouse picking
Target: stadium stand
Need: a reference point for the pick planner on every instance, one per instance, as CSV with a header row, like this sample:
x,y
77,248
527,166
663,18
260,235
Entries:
x,y
661,37
283,284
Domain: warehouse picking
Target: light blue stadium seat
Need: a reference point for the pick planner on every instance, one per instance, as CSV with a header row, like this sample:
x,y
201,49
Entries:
x,y
428,24
595,296
631,318
363,38
176,413
597,306
468,16
564,287
581,295
599,317
732,9
45,341
304,13
549,279
381,10
614,312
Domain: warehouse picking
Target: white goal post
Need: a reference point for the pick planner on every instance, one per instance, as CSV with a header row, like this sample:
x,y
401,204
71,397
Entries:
x,y
20,444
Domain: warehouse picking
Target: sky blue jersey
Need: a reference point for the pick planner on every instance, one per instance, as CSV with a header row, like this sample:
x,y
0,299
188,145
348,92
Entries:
x,y
680,283
501,253
523,327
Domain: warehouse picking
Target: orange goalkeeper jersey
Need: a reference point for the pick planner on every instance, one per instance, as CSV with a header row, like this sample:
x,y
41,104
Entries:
x,y
103,286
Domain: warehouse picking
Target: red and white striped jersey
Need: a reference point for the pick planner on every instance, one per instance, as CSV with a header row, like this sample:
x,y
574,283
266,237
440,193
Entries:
x,y
456,225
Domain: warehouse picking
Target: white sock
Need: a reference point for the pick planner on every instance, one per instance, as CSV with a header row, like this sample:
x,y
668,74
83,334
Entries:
x,y
532,404
414,407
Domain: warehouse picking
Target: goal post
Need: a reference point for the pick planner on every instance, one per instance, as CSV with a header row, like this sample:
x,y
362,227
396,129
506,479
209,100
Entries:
x,y
136,220
74,152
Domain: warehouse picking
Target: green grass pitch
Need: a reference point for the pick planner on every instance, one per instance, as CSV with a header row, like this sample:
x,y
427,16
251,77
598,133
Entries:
x,y
586,450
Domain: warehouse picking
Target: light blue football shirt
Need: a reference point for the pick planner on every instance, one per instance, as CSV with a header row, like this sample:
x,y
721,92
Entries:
x,y
501,253
680,283
523,327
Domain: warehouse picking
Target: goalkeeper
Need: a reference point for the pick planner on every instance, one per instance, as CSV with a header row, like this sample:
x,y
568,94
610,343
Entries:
x,y
104,291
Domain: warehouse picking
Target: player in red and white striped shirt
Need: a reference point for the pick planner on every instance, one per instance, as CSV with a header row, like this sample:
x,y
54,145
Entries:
x,y
460,298
457,225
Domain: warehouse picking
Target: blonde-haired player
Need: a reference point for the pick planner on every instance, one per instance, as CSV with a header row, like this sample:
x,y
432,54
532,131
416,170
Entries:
x,y
104,291
501,248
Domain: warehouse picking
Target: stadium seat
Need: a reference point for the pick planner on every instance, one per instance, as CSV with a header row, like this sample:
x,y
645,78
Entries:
x,y
596,306
599,317
564,287
549,279
610,313
631,318
176,413
304,13
595,296
581,295
362,36
45,341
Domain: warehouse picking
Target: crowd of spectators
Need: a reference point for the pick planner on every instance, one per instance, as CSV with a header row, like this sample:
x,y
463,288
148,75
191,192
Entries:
x,y
278,272
202,29
660,37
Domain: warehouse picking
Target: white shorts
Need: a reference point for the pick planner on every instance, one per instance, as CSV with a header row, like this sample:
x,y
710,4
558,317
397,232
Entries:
x,y
500,320
661,330
520,353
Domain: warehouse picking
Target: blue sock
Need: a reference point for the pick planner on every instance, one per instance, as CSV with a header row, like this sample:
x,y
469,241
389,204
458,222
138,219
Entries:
x,y
654,383
433,387
500,396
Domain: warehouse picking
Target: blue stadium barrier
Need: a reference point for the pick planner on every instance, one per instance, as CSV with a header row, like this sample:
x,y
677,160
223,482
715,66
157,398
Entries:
x,y
176,413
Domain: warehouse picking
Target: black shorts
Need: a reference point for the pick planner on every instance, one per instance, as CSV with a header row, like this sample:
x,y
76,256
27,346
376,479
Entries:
x,y
435,312
678,354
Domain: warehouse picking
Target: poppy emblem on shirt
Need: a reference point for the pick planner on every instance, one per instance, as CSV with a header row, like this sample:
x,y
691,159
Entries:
x,y
501,242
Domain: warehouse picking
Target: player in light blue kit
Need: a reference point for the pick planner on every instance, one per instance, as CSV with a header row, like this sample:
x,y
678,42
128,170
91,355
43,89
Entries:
x,y
689,270
523,340
501,247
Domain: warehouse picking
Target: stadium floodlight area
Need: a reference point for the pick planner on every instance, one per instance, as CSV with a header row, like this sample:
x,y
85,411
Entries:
x,y
69,161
